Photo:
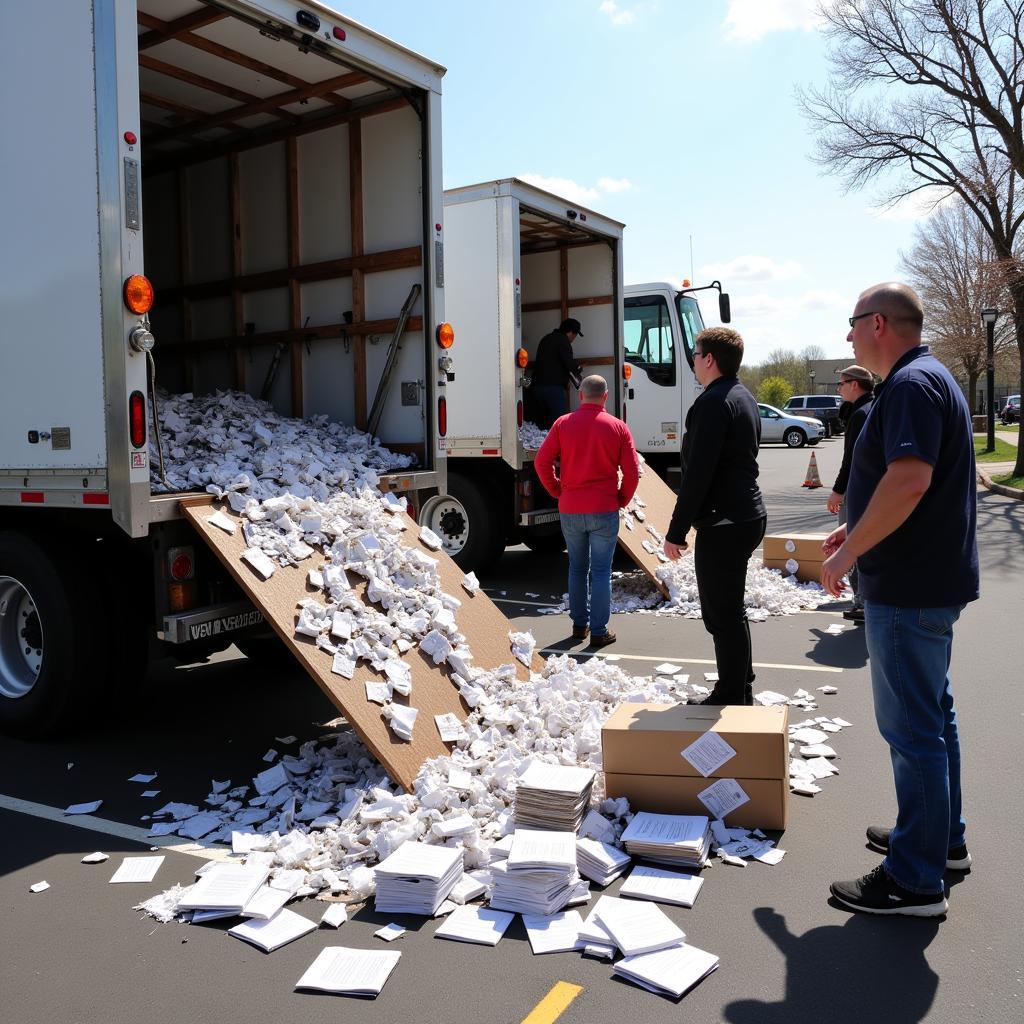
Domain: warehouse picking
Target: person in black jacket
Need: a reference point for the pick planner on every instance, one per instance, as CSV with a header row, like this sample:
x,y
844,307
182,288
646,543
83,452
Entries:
x,y
856,386
553,369
719,495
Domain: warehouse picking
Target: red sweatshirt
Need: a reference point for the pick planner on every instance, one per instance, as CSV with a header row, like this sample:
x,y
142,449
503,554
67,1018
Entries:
x,y
591,445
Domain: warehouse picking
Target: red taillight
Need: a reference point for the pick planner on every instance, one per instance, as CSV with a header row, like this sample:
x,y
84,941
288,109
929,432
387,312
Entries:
x,y
338,33
137,419
519,412
442,416
182,566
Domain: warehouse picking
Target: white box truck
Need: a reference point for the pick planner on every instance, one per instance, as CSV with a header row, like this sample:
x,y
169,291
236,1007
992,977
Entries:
x,y
660,326
273,172
519,261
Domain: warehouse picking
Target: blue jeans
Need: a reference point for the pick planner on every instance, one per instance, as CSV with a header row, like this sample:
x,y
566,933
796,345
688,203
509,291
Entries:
x,y
909,651
590,539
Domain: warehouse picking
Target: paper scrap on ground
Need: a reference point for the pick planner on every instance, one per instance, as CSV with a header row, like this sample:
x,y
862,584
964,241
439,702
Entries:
x,y
475,924
95,858
390,932
449,727
150,792
93,805
39,887
284,927
357,972
557,933
335,915
222,521
662,886
666,668
708,753
141,777
137,869
723,796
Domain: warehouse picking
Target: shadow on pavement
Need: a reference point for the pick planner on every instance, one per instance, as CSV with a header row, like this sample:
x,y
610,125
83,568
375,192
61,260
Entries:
x,y
872,969
847,650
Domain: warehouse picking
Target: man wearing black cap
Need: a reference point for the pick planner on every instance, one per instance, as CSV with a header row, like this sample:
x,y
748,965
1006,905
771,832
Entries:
x,y
553,369
856,388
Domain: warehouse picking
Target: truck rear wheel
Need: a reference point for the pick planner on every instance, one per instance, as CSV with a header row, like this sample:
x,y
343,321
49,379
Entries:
x,y
47,663
468,528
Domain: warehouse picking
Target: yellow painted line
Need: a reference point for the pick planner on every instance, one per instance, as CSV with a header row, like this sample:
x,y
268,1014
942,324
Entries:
x,y
685,661
115,828
554,1004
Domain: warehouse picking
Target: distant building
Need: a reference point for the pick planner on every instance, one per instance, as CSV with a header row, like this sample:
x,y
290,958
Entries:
x,y
826,375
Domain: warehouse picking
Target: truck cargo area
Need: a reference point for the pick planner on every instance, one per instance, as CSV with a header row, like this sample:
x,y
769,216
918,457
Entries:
x,y
284,218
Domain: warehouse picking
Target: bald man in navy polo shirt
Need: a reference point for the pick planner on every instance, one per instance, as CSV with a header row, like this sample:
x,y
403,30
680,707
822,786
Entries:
x,y
912,512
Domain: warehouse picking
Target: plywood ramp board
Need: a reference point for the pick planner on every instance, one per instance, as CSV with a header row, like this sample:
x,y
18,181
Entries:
x,y
660,501
433,693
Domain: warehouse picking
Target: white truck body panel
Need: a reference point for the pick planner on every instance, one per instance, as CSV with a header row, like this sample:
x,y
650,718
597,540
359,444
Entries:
x,y
70,240
493,279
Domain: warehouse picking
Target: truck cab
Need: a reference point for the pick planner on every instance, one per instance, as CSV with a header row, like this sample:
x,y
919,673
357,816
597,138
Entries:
x,y
661,324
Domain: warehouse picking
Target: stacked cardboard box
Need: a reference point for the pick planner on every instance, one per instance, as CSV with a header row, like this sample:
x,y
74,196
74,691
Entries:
x,y
781,550
643,759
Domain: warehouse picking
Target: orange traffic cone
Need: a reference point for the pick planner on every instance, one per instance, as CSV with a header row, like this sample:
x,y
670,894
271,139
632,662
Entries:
x,y
812,479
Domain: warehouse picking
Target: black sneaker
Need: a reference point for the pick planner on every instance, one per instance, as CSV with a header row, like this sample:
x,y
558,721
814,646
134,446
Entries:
x,y
877,893
958,859
855,614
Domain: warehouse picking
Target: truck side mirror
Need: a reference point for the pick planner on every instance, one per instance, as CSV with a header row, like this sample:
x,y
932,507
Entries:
x,y
724,312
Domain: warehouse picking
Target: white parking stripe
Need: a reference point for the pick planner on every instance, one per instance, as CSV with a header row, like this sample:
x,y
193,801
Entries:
x,y
690,661
113,828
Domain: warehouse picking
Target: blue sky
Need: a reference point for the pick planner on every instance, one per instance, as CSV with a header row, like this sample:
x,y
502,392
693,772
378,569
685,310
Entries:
x,y
677,117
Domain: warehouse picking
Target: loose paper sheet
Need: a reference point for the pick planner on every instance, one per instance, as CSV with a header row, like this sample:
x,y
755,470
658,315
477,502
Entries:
x,y
708,753
723,796
137,869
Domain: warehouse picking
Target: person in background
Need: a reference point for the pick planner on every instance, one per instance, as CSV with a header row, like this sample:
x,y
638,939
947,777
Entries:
x,y
911,528
592,447
855,387
719,495
554,368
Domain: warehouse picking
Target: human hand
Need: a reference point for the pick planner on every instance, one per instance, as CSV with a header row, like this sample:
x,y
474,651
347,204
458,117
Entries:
x,y
832,542
835,502
834,568
673,552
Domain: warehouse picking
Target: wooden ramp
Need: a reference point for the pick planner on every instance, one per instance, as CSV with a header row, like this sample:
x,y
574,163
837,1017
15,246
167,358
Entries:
x,y
433,693
660,500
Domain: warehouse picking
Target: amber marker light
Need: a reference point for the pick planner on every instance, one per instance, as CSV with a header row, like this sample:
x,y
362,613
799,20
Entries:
x,y
522,358
445,335
138,294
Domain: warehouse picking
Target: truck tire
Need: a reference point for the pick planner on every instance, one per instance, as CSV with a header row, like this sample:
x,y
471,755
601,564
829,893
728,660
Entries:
x,y
468,527
50,660
794,437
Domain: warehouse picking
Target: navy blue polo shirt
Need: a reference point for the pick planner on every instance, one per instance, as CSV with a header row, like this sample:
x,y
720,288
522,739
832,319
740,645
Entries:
x,y
931,560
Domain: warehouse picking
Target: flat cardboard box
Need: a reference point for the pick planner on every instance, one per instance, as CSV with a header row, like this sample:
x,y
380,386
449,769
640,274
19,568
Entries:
x,y
647,739
768,806
807,571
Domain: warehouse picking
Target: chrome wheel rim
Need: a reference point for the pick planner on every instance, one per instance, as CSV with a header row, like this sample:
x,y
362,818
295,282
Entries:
x,y
21,640
447,518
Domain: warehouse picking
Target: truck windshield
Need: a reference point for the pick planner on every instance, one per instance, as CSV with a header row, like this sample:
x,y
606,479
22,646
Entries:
x,y
692,324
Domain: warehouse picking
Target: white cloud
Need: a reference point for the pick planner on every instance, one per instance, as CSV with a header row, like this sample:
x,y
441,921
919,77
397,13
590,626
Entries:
x,y
614,184
566,188
751,268
617,15
747,21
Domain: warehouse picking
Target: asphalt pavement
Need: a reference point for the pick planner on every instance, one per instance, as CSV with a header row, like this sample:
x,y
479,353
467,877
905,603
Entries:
x,y
78,952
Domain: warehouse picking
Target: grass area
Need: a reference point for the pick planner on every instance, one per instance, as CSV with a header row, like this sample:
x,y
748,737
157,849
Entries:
x,y
1005,452
1010,480
1009,428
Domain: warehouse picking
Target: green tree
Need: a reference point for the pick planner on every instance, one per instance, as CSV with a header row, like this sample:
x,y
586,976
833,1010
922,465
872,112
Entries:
x,y
774,391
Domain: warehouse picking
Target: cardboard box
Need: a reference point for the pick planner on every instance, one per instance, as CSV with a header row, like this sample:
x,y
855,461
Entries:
x,y
802,548
768,806
642,750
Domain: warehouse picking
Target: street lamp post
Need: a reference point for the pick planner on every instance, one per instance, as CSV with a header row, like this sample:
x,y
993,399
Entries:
x,y
811,375
988,317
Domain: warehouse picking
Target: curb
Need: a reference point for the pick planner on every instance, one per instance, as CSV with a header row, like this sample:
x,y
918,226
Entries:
x,y
1009,492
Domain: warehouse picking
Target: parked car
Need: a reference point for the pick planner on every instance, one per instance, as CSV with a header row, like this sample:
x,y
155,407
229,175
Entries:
x,y
821,407
1011,411
794,431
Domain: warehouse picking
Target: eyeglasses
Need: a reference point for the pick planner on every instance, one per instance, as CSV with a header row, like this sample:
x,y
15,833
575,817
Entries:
x,y
860,316
698,354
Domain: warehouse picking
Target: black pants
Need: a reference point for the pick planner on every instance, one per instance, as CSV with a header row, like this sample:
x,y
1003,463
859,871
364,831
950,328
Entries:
x,y
720,560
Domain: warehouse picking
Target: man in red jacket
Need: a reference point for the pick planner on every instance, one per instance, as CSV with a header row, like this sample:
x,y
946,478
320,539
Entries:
x,y
592,446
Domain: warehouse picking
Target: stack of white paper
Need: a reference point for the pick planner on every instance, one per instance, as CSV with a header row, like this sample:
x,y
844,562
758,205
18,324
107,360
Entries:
x,y
673,970
539,876
600,862
417,878
662,886
557,933
226,888
681,839
553,796
284,927
352,972
474,924
637,927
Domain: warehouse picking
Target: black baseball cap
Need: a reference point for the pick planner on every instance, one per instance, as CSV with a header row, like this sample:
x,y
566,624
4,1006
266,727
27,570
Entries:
x,y
571,324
